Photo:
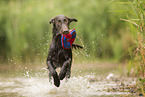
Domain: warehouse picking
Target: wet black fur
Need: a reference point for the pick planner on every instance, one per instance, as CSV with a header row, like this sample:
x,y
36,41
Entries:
x,y
58,56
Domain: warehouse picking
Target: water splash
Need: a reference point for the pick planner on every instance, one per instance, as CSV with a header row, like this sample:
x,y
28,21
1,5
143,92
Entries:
x,y
75,87
84,53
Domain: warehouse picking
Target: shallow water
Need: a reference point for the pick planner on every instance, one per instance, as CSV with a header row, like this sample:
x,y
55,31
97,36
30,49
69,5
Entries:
x,y
34,83
40,87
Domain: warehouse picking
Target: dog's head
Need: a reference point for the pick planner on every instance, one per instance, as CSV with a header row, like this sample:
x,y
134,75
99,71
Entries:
x,y
61,24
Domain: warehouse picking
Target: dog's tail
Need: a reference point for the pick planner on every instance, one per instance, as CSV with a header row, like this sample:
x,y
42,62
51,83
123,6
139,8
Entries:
x,y
76,46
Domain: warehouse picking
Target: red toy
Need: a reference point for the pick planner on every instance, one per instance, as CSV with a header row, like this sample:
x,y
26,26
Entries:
x,y
68,39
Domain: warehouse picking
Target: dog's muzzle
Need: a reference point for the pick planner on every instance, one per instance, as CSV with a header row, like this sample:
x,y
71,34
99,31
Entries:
x,y
65,29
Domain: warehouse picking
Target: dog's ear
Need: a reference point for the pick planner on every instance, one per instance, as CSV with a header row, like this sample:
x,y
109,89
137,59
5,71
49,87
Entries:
x,y
71,19
51,21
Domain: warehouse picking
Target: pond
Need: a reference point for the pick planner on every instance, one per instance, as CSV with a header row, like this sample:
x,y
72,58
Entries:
x,y
91,80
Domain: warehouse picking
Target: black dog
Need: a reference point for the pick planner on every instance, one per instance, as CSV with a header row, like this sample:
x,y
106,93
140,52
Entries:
x,y
58,56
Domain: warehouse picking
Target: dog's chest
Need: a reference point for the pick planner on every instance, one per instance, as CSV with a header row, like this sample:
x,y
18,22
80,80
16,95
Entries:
x,y
60,57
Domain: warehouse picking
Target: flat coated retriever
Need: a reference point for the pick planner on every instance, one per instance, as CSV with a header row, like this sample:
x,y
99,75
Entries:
x,y
58,56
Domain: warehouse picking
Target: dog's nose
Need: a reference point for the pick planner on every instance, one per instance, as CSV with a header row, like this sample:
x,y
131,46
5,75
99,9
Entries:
x,y
65,31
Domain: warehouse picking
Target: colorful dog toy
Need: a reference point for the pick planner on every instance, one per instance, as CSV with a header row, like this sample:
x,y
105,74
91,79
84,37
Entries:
x,y
68,39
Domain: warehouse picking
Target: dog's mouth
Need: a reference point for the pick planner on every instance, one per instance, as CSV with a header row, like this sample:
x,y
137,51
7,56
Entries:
x,y
65,32
64,29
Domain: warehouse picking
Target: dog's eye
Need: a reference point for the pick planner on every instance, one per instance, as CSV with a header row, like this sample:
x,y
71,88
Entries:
x,y
59,22
65,20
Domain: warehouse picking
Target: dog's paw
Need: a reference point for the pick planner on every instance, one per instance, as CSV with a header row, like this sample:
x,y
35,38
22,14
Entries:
x,y
62,76
56,79
56,82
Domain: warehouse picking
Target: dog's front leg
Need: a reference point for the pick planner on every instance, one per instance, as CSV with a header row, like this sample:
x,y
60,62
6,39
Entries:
x,y
54,74
64,69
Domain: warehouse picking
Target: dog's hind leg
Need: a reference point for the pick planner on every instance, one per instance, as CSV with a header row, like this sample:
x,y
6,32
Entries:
x,y
50,79
68,73
53,74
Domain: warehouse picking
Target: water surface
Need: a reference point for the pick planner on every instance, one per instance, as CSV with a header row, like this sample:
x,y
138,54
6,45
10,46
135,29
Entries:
x,y
91,81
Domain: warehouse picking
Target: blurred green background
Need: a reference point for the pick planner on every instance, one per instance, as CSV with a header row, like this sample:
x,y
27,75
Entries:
x,y
25,33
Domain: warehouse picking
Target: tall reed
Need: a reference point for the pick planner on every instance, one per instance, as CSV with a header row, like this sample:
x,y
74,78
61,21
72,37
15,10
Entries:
x,y
136,19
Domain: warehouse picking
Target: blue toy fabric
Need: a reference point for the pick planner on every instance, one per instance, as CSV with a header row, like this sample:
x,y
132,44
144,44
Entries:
x,y
68,39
